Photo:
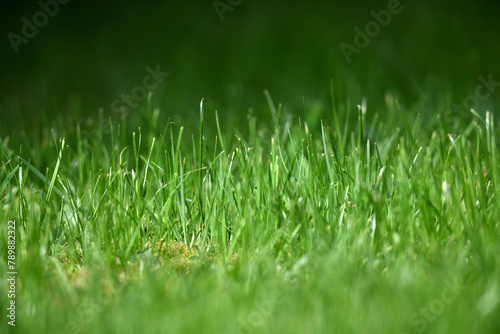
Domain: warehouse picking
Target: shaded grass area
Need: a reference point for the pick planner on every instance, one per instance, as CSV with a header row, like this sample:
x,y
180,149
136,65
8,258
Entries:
x,y
283,230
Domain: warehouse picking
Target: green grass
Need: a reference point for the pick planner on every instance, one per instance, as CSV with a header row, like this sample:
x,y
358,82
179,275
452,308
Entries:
x,y
373,226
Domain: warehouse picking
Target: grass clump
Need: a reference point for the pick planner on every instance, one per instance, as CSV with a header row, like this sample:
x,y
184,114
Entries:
x,y
378,226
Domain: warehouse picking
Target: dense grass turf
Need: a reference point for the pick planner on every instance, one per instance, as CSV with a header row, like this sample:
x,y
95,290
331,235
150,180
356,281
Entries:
x,y
315,216
380,226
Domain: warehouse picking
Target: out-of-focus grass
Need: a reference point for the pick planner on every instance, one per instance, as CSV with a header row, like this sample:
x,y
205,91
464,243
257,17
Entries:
x,y
88,55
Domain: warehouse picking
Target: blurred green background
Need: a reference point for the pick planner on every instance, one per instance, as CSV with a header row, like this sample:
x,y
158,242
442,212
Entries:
x,y
91,52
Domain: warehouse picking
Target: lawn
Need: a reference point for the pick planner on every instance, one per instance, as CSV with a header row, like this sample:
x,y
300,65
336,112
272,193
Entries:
x,y
213,189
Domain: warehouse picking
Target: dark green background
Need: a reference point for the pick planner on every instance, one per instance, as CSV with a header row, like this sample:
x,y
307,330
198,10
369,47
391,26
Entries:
x,y
92,52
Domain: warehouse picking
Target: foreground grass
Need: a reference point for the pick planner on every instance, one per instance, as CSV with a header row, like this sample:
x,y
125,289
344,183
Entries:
x,y
285,230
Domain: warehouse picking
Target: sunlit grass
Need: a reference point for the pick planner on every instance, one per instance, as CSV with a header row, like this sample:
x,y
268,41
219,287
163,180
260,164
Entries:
x,y
348,227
